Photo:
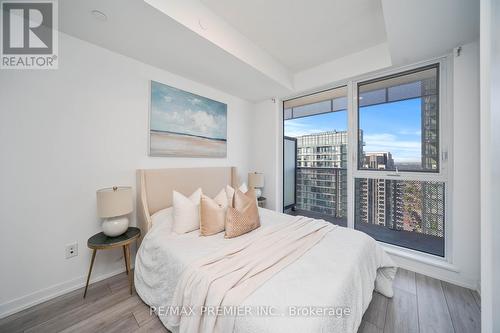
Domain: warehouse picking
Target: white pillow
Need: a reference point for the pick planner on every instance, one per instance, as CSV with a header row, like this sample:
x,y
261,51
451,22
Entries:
x,y
243,188
186,212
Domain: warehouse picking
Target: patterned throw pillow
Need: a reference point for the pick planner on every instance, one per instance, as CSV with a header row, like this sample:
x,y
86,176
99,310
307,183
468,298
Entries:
x,y
244,216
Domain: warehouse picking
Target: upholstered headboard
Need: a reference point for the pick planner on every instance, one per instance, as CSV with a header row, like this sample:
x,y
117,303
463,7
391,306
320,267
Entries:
x,y
155,186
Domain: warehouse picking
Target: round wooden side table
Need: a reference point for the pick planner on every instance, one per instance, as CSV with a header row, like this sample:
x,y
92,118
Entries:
x,y
102,242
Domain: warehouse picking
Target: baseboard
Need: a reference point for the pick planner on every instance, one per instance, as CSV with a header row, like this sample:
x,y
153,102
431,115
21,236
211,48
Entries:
x,y
459,282
24,302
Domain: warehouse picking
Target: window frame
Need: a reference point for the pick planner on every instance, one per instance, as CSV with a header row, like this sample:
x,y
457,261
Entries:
x,y
445,151
444,128
435,65
282,119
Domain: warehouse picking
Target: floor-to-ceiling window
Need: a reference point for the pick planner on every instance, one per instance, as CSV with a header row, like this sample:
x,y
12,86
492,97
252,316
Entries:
x,y
399,186
396,161
318,125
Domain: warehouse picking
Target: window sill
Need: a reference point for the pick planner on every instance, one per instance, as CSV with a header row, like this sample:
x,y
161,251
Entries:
x,y
423,258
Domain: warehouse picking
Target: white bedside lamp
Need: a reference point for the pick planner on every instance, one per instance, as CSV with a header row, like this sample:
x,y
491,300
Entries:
x,y
113,205
256,180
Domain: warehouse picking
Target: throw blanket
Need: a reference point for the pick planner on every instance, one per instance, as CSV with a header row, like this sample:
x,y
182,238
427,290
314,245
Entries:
x,y
226,278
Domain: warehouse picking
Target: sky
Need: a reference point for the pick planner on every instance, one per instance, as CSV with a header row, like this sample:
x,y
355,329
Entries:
x,y
179,111
393,127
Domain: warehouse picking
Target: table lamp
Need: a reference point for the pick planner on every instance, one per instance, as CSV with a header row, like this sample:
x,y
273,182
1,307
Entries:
x,y
113,205
256,180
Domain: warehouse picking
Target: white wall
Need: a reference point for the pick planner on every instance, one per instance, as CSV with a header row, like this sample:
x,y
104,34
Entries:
x,y
465,267
466,166
495,163
490,159
267,149
65,133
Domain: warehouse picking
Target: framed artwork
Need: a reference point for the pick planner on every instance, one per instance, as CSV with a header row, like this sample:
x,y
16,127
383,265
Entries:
x,y
183,124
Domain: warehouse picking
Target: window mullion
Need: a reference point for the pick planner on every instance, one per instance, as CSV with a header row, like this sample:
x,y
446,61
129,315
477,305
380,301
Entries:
x,y
352,150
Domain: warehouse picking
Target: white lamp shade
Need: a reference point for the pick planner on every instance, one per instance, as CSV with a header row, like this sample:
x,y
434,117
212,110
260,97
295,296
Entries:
x,y
115,201
256,179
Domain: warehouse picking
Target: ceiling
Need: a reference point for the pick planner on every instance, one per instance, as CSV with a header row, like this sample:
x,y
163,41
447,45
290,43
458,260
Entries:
x,y
260,49
137,30
303,34
423,29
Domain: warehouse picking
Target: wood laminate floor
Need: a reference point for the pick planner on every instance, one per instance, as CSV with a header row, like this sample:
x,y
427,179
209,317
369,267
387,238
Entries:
x,y
420,304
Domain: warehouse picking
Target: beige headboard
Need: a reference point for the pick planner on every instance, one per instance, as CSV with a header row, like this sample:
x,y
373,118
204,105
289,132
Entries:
x,y
155,186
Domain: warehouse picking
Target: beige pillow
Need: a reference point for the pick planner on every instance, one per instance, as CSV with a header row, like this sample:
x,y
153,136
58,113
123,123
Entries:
x,y
213,213
244,216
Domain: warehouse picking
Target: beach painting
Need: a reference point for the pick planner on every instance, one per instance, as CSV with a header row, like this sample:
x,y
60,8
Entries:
x,y
183,124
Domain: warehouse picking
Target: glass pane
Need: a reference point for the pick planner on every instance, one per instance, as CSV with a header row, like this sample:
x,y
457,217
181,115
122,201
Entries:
x,y
321,155
410,214
399,122
339,104
310,105
311,109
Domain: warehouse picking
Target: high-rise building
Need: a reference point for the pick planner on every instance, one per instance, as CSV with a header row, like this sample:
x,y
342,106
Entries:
x,y
322,173
430,124
321,187
378,160
375,195
432,193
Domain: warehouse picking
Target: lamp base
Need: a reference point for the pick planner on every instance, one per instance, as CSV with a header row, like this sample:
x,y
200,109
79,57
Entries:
x,y
115,226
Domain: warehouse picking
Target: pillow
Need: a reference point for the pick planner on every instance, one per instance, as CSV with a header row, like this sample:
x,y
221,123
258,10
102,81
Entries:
x,y
244,216
230,192
186,212
230,195
213,213
243,188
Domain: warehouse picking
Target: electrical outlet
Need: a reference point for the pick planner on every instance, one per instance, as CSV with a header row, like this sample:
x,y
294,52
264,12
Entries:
x,y
71,250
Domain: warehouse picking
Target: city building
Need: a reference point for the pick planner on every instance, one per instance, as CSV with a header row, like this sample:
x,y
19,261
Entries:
x,y
432,193
322,173
399,205
378,160
430,124
378,199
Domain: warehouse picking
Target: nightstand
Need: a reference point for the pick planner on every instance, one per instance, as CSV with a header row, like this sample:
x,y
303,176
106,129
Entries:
x,y
102,242
261,201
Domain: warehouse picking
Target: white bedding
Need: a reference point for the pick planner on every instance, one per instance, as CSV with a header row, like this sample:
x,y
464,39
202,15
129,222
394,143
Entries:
x,y
341,271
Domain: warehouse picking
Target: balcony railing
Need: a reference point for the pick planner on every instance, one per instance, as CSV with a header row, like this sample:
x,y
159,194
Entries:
x,y
321,193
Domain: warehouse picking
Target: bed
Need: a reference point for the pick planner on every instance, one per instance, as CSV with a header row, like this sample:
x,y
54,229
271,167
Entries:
x,y
327,289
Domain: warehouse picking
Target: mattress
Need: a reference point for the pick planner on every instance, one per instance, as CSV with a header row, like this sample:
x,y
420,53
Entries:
x,y
326,290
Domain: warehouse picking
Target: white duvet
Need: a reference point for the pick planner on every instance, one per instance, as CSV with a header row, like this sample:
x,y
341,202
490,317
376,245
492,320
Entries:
x,y
326,290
